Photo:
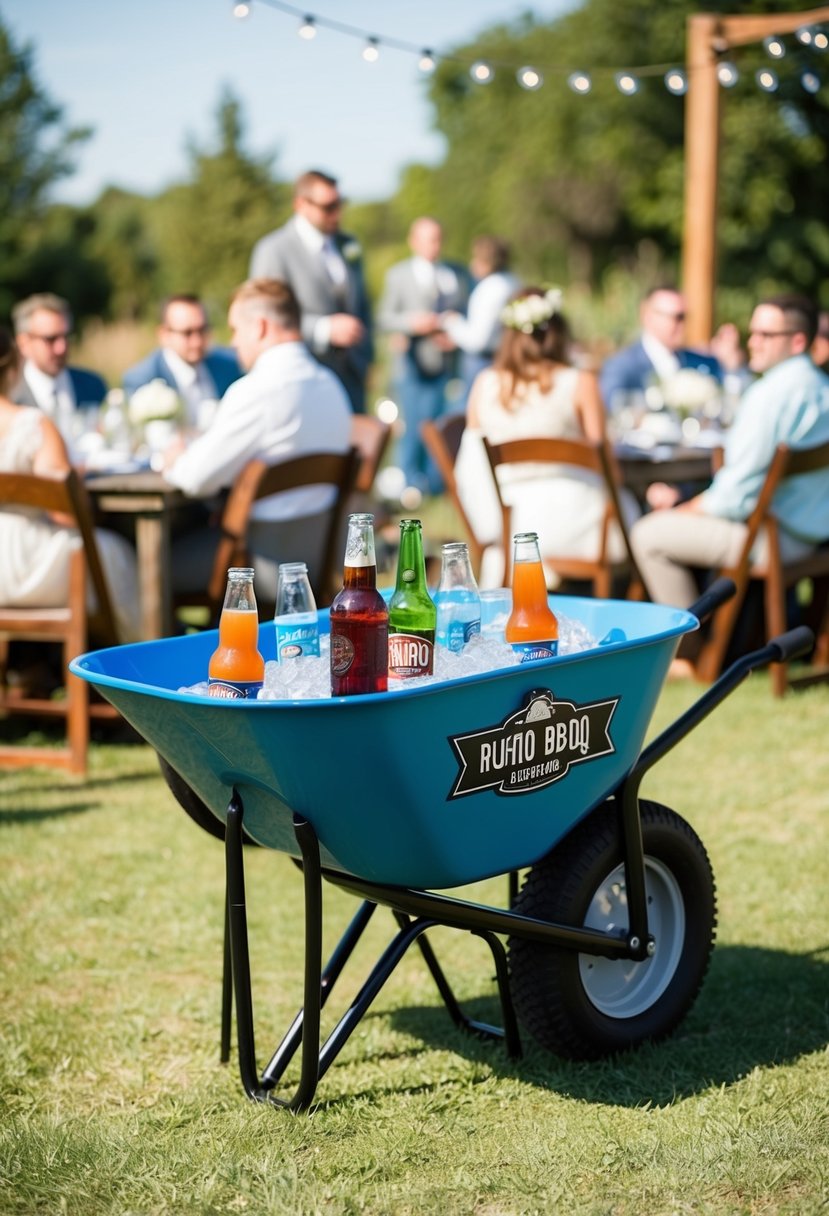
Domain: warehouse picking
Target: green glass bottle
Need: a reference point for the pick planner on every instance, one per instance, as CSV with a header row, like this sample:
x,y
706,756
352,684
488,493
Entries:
x,y
412,613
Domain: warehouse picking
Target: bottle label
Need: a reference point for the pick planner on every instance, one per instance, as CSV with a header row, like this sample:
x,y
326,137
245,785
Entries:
x,y
294,640
458,633
342,654
234,690
410,655
530,651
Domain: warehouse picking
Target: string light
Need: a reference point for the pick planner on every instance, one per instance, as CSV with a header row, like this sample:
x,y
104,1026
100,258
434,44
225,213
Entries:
x,y
810,81
676,82
626,83
727,74
308,29
427,63
805,35
774,48
767,80
529,79
481,72
580,82
820,41
371,51
241,10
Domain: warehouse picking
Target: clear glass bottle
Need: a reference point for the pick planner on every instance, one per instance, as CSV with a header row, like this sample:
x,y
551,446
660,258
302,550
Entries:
x,y
359,618
412,612
297,625
236,669
532,628
457,599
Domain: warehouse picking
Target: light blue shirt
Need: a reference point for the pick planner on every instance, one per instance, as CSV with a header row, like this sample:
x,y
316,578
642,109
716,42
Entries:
x,y
789,404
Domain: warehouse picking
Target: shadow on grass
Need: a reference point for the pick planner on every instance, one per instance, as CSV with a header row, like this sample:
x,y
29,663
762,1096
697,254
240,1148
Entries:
x,y
41,814
758,1008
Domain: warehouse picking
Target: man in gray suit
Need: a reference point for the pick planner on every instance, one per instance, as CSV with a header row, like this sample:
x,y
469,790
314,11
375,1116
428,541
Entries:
x,y
323,267
417,291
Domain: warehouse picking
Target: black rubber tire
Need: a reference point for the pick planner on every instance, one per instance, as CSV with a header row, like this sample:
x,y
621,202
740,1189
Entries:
x,y
189,801
551,987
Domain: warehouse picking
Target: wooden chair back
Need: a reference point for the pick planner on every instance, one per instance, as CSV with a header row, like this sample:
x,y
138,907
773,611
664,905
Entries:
x,y
370,436
775,575
442,440
71,624
259,480
573,454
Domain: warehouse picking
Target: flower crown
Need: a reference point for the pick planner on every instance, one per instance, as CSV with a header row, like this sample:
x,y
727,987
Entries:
x,y
532,312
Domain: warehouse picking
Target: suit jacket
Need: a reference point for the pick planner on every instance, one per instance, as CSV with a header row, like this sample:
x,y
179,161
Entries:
x,y
405,294
284,255
89,388
222,365
630,370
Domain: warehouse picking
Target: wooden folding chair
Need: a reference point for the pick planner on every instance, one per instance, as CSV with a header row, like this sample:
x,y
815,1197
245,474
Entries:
x,y
775,575
442,440
72,624
600,570
259,480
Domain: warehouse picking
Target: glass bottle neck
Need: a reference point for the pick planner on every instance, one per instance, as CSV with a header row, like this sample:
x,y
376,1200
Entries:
x,y
360,577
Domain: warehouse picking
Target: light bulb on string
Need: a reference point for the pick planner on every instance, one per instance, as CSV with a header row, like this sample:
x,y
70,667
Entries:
x,y
810,81
626,83
676,82
774,48
767,80
427,63
481,72
529,79
820,42
371,51
727,74
308,29
580,82
805,35
241,9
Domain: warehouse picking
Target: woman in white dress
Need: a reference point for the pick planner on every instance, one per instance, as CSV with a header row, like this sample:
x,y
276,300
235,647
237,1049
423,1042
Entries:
x,y
532,392
35,547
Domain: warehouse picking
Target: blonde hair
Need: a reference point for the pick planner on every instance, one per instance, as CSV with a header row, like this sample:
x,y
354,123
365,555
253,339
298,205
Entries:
x,y
270,298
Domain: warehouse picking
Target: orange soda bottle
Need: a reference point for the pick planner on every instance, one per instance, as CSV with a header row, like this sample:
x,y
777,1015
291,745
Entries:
x,y
237,669
532,628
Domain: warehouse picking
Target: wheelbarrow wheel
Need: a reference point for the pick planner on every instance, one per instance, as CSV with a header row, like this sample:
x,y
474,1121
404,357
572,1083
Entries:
x,y
583,1006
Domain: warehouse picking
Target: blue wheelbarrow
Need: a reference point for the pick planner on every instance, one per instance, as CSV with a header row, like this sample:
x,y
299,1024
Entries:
x,y
398,797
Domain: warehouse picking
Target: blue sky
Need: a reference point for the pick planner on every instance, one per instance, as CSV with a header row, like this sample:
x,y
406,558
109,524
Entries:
x,y
146,75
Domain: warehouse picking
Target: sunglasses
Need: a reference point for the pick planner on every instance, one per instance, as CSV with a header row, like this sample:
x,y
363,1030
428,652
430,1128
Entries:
x,y
328,208
51,339
765,334
198,331
671,316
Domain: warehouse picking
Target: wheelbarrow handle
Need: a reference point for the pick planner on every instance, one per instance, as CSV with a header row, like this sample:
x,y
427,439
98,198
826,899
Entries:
x,y
791,645
721,590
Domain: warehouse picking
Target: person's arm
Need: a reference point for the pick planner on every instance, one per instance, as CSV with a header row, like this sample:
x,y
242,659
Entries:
x,y
476,392
750,445
393,315
52,457
214,459
478,330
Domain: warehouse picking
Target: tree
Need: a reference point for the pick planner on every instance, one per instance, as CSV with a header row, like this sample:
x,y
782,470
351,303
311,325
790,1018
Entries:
x,y
36,150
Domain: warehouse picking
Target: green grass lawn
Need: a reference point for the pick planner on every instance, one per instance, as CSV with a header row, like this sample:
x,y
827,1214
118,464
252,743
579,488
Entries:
x,y
113,1100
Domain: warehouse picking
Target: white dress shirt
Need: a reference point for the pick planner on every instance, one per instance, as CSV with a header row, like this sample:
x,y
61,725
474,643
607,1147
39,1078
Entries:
x,y
287,405
665,362
196,388
480,330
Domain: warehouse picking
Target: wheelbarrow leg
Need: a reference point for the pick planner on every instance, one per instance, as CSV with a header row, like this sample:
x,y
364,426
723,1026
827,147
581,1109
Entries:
x,y
227,989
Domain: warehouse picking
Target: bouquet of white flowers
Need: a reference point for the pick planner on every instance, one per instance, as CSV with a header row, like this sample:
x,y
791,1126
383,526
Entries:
x,y
153,402
690,391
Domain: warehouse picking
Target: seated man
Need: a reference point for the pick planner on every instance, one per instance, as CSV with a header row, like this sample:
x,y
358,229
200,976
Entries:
x,y
789,403
658,355
43,329
182,359
287,405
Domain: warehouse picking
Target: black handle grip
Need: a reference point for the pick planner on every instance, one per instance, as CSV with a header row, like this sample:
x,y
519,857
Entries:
x,y
720,590
792,644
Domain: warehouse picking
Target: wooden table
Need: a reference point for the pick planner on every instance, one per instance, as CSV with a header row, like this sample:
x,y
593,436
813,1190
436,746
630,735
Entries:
x,y
151,502
677,466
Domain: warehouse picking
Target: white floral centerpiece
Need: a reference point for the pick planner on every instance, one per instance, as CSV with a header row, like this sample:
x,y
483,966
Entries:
x,y
156,411
690,392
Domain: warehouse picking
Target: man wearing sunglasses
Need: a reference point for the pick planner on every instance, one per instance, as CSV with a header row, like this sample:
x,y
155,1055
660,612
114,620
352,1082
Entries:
x,y
658,354
43,329
323,267
185,360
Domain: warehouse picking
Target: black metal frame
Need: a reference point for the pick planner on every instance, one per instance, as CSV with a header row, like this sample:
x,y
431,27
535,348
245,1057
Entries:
x,y
416,911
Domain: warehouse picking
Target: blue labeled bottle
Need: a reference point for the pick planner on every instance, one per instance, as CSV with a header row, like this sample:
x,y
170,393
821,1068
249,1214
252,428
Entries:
x,y
457,599
297,625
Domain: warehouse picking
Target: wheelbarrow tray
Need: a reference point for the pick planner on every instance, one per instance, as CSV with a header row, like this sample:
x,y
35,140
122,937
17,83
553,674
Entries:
x,y
426,787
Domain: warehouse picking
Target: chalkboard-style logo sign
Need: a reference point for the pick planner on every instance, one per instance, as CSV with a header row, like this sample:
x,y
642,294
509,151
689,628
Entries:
x,y
533,747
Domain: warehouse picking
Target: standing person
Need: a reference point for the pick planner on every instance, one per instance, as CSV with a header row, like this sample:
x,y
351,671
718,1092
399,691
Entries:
x,y
789,403
478,333
659,352
323,268
532,391
43,328
184,360
287,405
417,291
820,346
36,548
